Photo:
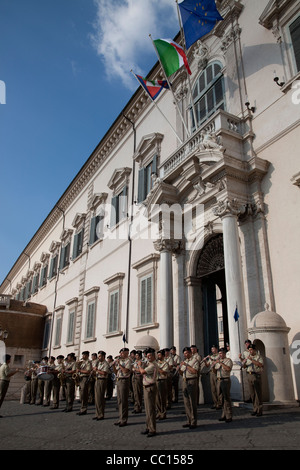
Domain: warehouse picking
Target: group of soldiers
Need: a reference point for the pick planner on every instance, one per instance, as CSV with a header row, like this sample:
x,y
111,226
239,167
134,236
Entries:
x,y
145,377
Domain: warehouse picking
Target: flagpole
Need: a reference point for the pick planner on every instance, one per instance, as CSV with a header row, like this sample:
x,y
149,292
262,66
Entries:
x,y
189,80
176,103
242,378
155,104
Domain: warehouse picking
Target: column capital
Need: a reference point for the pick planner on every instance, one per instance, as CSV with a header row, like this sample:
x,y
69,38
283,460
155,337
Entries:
x,y
230,207
168,244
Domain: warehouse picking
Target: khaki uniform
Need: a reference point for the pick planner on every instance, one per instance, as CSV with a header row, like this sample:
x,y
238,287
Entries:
x,y
217,399
70,368
190,389
33,385
85,365
137,385
161,398
56,384
123,387
150,393
254,381
175,377
170,363
224,384
4,381
92,383
100,388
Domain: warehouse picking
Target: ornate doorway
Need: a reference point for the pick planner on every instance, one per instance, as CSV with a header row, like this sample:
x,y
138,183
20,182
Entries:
x,y
211,272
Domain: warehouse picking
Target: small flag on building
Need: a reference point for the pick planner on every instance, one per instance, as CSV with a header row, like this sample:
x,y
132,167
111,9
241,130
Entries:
x,y
198,19
124,339
171,55
152,87
236,314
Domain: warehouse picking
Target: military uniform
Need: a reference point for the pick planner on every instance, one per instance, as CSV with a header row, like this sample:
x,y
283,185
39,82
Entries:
x,y
169,360
92,382
69,371
34,384
57,382
190,389
175,377
100,388
224,384
150,392
137,385
254,381
217,400
161,400
85,370
123,387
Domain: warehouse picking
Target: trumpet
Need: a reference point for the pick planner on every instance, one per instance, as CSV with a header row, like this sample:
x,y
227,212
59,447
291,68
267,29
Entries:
x,y
61,376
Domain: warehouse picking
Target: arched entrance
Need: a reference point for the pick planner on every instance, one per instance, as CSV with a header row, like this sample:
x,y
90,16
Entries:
x,y
211,273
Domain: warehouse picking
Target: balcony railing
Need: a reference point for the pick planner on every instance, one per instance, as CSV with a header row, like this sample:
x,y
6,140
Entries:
x,y
221,124
5,300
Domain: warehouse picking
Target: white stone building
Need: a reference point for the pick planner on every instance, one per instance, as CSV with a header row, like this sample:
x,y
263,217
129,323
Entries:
x,y
230,191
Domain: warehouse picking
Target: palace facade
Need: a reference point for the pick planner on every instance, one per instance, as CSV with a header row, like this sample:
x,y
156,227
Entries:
x,y
169,234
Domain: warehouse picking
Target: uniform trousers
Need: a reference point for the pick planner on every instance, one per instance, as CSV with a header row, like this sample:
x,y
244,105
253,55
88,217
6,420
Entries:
x,y
100,389
255,388
224,385
55,391
161,399
109,386
190,395
84,393
215,390
150,393
123,386
4,384
70,393
169,389
137,384
33,390
175,384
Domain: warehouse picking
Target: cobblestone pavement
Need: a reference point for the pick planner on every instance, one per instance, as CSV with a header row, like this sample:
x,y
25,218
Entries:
x,y
32,427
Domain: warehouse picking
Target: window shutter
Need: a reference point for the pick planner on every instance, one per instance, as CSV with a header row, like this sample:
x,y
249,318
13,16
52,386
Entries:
x,y
71,326
75,246
141,189
58,331
62,257
114,216
295,36
90,320
146,301
113,311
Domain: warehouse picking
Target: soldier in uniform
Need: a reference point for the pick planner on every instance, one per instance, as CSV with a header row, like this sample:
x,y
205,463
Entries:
x,y
5,375
163,371
34,382
169,360
101,371
110,376
150,373
49,383
122,368
84,370
137,383
189,370
92,379
209,360
254,365
223,366
175,376
41,383
57,381
69,371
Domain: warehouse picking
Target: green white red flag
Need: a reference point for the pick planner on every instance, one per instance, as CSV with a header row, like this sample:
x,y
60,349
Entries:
x,y
171,55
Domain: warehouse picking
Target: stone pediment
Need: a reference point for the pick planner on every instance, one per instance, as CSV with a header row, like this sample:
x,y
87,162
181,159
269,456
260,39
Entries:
x,y
161,193
272,11
78,220
119,177
148,146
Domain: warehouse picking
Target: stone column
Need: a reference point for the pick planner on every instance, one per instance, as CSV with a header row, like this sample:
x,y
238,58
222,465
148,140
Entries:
x,y
229,210
165,313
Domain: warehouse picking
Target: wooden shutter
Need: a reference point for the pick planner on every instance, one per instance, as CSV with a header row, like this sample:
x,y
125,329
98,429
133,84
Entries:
x,y
295,36
90,320
146,301
113,312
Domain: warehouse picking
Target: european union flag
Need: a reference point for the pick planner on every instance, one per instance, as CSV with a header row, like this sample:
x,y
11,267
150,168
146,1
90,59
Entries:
x,y
236,314
198,18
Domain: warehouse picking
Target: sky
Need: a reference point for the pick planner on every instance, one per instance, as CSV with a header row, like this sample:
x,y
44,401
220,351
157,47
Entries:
x,y
64,78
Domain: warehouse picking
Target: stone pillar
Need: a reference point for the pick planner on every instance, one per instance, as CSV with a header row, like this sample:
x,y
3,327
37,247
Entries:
x,y
229,211
165,313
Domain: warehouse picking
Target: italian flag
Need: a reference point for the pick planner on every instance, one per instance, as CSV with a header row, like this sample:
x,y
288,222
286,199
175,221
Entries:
x,y
172,56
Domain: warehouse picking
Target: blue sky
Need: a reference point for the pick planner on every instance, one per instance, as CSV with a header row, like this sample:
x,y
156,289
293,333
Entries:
x,y
66,69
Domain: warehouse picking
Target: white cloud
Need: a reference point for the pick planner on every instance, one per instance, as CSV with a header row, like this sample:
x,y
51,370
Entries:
x,y
121,34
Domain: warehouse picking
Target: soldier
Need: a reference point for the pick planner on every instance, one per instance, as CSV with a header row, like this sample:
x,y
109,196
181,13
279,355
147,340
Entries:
x,y
122,368
161,400
150,373
200,393
137,383
209,360
34,382
5,375
254,366
69,371
84,370
175,374
169,360
110,377
101,371
41,383
92,380
223,366
189,370
57,381
49,383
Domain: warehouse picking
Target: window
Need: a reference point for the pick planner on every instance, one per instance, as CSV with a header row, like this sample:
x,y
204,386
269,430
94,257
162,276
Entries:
x,y
53,266
295,37
96,230
90,320
58,331
71,327
28,289
46,334
78,243
146,180
208,93
113,312
43,278
119,207
146,300
64,256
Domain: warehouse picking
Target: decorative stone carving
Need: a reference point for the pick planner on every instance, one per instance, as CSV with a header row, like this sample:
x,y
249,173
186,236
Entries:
x,y
171,245
212,257
209,141
229,206
201,54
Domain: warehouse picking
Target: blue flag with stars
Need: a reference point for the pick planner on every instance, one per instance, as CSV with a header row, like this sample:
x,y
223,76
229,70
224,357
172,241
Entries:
x,y
236,314
198,18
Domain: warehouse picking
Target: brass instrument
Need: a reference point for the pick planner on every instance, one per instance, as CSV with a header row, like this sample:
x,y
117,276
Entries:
x,y
76,375
62,377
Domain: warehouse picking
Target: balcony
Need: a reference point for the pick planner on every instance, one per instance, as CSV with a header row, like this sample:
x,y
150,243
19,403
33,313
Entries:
x,y
5,300
226,134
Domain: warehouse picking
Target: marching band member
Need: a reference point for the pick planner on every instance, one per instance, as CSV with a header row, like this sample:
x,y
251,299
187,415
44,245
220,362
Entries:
x,y
137,383
150,374
84,371
122,368
209,360
101,371
57,381
223,366
69,371
163,371
189,370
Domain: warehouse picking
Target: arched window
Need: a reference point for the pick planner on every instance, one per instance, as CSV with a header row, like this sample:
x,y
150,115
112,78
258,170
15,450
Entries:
x,y
208,93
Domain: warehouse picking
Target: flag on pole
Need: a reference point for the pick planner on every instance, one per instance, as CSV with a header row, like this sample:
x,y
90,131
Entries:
x,y
236,314
171,55
124,339
198,19
152,87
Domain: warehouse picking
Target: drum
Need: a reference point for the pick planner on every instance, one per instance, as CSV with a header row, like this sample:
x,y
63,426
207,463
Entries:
x,y
43,373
